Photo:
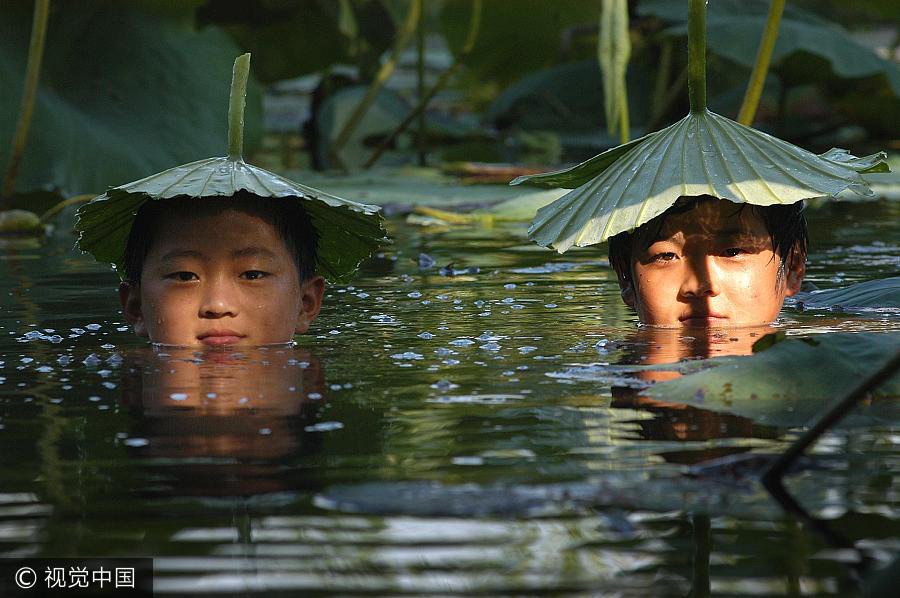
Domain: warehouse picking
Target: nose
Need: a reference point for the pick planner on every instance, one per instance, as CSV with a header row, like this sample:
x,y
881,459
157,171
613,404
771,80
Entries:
x,y
700,279
218,300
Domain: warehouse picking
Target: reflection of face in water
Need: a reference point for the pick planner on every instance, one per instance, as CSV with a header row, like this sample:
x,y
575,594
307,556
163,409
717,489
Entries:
x,y
218,419
678,421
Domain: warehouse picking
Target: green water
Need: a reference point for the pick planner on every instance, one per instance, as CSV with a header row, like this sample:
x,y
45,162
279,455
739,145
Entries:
x,y
433,435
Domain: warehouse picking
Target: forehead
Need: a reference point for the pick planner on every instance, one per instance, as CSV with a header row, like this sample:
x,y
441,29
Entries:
x,y
216,228
714,218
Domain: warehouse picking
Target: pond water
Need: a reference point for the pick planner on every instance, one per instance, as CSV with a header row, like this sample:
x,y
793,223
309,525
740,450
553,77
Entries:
x,y
434,434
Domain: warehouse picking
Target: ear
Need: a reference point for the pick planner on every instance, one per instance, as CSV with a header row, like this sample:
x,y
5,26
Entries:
x,y
130,298
311,292
794,272
626,288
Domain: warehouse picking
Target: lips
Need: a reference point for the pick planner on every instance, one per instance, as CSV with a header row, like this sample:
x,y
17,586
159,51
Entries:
x,y
703,319
218,338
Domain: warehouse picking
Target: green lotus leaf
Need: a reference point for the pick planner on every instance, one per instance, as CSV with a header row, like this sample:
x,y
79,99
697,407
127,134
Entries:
x,y
348,231
702,154
792,382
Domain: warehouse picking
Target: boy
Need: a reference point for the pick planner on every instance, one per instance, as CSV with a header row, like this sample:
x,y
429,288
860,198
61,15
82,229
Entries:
x,y
708,262
221,271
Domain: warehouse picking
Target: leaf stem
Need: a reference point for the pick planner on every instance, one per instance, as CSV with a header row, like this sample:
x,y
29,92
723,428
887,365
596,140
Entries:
x,y
29,91
236,103
697,55
404,36
761,67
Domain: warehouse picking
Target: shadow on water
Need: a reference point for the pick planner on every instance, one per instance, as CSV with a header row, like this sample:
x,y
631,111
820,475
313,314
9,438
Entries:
x,y
480,432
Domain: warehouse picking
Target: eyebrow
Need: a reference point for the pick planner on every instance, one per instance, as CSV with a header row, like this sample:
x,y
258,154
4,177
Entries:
x,y
182,253
728,233
253,251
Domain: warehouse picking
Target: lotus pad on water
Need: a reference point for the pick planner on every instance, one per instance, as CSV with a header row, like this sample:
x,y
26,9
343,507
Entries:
x,y
702,154
348,231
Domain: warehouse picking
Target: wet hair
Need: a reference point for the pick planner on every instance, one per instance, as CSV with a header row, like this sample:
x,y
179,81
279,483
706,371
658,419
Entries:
x,y
786,225
288,217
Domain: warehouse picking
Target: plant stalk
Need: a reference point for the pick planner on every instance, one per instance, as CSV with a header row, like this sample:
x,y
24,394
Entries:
x,y
29,91
697,55
387,69
474,26
761,67
420,88
236,103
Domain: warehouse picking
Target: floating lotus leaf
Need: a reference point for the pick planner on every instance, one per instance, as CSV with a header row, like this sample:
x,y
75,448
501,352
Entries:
x,y
702,154
348,231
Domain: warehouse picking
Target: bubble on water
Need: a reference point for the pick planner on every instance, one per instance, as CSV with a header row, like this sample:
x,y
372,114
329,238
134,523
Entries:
x,y
468,461
484,314
107,346
33,335
136,442
383,319
91,360
335,386
55,339
425,335
442,297
408,355
178,396
450,362
444,351
114,360
478,303
45,369
26,360
122,329
517,306
509,286
93,326
79,330
527,349
550,305
324,427
104,373
462,342
444,385
362,295
265,431
56,401
333,332
439,328
507,300
490,346
109,385
94,399
457,301
414,295
314,396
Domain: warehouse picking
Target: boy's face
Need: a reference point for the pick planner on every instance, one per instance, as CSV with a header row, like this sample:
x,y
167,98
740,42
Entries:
x,y
710,266
220,277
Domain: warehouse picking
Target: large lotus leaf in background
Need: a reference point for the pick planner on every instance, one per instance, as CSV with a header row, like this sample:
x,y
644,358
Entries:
x,y
734,28
125,90
517,38
793,381
702,154
290,39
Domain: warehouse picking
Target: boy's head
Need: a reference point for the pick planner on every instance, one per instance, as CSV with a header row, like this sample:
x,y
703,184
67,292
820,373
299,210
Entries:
x,y
221,271
711,262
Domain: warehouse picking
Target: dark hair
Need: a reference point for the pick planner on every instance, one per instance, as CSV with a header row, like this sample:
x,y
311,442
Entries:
x,y
286,214
786,225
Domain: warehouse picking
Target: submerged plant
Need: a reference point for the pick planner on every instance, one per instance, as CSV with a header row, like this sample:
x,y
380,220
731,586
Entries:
x,y
348,231
702,154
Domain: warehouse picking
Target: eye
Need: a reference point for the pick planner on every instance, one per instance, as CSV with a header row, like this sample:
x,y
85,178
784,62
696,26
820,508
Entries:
x,y
182,276
666,256
733,252
254,275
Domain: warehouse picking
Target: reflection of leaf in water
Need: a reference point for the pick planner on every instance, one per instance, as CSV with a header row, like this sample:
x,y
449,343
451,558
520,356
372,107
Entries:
x,y
792,382
882,294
